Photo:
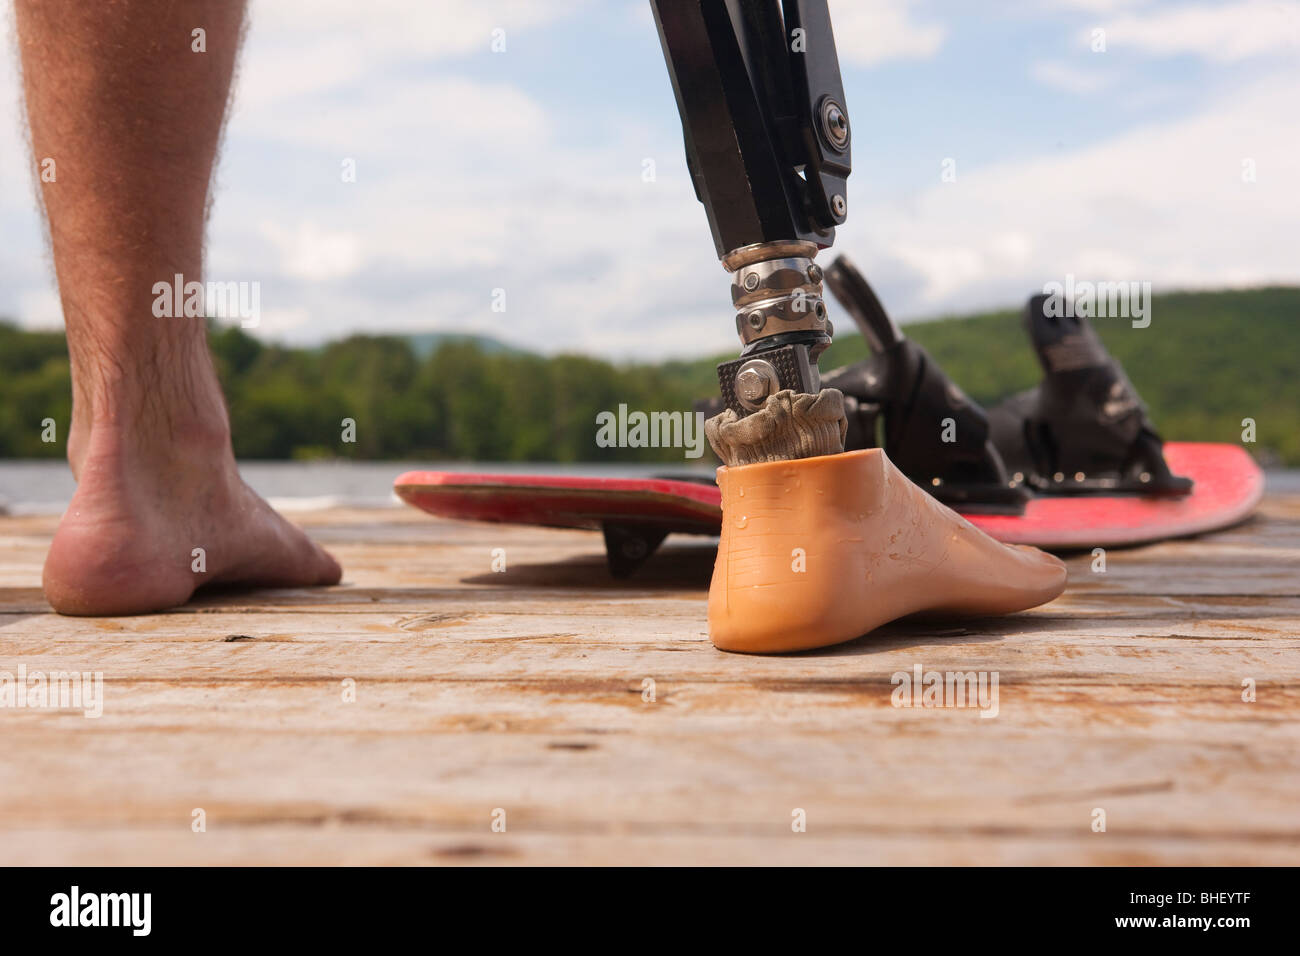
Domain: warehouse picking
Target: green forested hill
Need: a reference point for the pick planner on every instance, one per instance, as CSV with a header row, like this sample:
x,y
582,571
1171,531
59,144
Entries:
x,y
1208,360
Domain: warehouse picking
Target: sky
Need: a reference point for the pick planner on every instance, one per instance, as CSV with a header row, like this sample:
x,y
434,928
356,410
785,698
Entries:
x,y
1109,140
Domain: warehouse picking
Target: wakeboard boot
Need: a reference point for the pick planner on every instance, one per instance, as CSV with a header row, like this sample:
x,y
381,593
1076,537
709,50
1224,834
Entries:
x,y
1083,430
932,431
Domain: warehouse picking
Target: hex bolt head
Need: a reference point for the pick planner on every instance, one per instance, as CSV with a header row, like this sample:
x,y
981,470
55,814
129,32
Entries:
x,y
751,281
756,320
839,205
814,273
751,386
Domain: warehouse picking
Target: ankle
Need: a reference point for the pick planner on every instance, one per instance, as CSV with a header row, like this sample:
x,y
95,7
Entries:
x,y
78,441
152,393
202,442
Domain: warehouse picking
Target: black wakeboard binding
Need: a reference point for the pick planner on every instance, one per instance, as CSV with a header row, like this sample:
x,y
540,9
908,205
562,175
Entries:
x,y
932,430
1084,430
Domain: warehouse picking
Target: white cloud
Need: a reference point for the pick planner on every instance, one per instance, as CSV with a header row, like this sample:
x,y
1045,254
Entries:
x,y
451,111
310,252
40,308
1097,6
1222,33
466,184
278,322
306,46
1165,203
384,29
1072,78
871,32
18,194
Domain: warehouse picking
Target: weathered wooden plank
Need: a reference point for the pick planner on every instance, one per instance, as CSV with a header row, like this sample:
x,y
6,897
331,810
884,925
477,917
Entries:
x,y
625,622
525,655
338,840
523,690
718,782
1212,713
1078,602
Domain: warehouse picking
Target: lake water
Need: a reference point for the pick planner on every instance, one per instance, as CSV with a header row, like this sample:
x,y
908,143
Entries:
x,y
45,487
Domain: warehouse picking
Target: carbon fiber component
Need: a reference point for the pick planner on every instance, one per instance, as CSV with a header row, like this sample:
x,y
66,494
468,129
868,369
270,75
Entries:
x,y
768,144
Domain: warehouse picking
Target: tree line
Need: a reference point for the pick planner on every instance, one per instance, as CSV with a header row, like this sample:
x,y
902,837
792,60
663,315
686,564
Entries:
x,y
1208,362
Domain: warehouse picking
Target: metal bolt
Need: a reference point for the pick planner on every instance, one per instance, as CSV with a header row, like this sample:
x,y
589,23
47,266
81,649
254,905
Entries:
x,y
835,124
751,385
814,273
839,205
756,320
751,281
837,121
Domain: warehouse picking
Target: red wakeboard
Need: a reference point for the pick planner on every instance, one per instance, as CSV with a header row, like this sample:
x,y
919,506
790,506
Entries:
x,y
637,513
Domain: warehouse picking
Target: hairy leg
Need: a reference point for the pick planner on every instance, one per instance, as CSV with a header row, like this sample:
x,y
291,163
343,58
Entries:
x,y
131,114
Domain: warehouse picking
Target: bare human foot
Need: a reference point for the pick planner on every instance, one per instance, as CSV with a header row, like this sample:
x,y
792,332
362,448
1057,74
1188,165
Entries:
x,y
148,526
125,112
816,551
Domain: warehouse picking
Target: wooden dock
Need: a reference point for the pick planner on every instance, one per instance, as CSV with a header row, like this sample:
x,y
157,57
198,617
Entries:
x,y
594,719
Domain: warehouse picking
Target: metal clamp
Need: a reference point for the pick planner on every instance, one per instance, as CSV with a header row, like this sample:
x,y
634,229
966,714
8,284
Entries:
x,y
778,293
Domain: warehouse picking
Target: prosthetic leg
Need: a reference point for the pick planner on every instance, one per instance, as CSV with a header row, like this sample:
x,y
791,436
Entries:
x,y
767,143
818,545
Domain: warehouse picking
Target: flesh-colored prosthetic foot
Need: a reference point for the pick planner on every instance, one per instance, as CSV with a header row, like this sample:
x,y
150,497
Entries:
x,y
821,550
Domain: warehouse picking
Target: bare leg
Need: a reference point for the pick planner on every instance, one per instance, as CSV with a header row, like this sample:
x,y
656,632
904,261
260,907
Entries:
x,y
132,118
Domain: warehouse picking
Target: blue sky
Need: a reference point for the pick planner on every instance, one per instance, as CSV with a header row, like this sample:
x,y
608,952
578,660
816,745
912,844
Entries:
x,y
522,170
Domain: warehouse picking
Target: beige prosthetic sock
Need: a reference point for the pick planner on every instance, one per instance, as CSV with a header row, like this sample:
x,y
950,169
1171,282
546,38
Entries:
x,y
820,550
789,425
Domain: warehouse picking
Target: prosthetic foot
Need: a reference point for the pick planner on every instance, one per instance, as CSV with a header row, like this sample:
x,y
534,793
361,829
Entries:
x,y
821,550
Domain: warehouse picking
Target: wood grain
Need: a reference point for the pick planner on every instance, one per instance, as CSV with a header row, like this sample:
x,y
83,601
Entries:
x,y
524,691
